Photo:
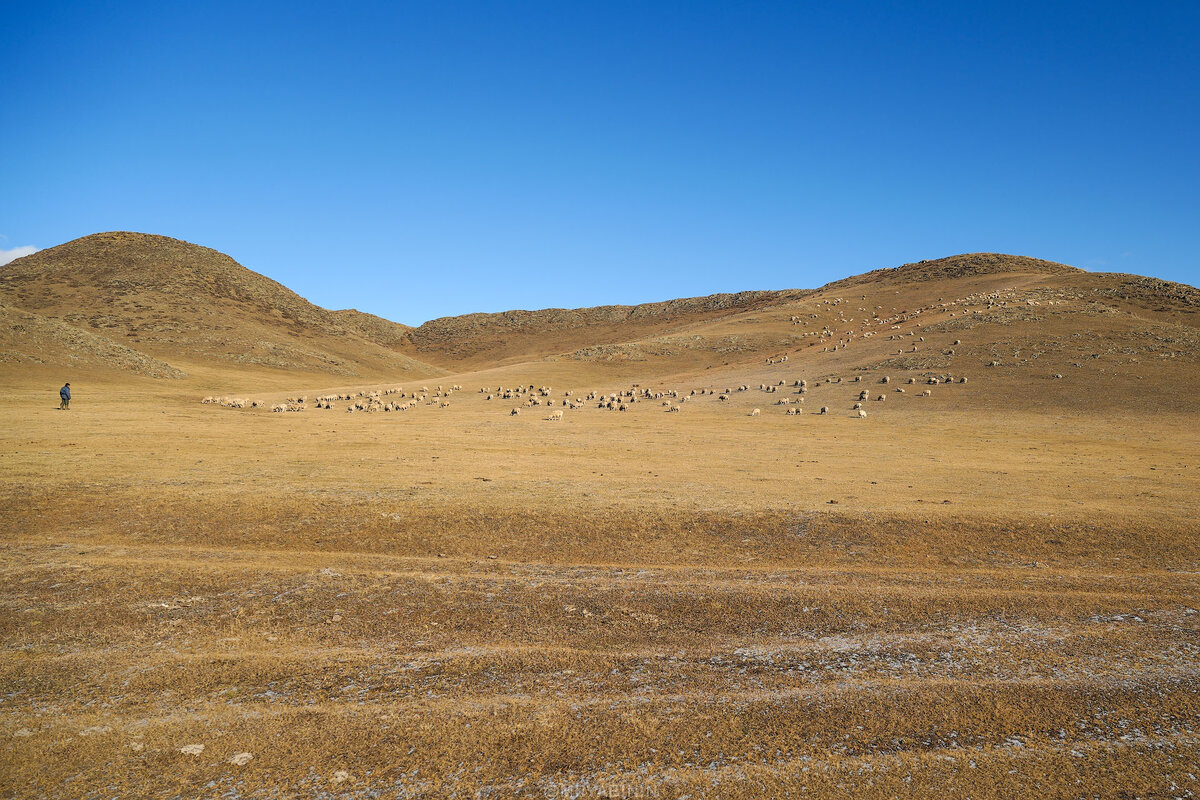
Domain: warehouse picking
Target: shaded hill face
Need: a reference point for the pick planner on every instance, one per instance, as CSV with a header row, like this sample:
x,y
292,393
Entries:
x,y
479,340
172,301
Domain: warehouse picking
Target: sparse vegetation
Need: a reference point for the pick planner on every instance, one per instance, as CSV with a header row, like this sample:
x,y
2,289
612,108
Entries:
x,y
987,592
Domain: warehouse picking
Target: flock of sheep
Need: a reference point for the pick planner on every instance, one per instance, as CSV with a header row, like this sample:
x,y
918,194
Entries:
x,y
534,396
872,320
530,396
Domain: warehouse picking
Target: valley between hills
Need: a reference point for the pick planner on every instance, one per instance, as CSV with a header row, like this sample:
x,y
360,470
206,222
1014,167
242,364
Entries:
x,y
926,531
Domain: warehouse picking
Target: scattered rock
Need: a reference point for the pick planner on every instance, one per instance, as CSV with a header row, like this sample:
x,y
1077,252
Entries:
x,y
241,759
192,749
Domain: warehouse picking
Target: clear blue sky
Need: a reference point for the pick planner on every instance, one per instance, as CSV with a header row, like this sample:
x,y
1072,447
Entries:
x,y
416,160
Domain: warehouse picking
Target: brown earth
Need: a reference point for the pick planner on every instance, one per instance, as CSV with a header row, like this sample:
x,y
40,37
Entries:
x,y
987,592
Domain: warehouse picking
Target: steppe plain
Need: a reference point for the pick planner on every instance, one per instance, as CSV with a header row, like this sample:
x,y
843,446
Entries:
x,y
992,591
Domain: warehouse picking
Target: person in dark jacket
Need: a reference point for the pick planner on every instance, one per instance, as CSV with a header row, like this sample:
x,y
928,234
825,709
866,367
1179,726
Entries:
x,y
65,394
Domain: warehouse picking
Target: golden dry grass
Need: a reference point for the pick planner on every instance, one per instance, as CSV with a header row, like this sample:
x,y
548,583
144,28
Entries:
x,y
456,603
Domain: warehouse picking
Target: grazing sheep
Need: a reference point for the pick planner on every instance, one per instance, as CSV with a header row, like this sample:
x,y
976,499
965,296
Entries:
x,y
857,406
514,412
881,398
926,393
555,416
755,412
862,413
824,409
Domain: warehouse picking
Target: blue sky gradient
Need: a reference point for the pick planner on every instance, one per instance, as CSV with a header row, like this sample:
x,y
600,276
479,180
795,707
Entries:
x,y
420,160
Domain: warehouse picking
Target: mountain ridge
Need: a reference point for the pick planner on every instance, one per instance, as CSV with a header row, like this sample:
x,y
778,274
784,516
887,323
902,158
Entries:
x,y
158,306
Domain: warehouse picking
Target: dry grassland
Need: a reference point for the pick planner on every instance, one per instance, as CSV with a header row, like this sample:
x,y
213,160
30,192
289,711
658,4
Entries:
x,y
998,602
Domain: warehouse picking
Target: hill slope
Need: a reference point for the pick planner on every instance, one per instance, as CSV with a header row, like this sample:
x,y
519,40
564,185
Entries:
x,y
1009,322
160,307
478,340
178,304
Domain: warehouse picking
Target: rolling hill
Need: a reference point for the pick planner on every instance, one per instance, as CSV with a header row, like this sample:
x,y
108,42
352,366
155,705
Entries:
x,y
133,303
158,306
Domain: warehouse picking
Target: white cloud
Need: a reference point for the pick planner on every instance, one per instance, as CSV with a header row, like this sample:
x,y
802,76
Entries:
x,y
17,252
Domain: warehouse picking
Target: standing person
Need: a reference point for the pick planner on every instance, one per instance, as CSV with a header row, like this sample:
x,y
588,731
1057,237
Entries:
x,y
65,394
